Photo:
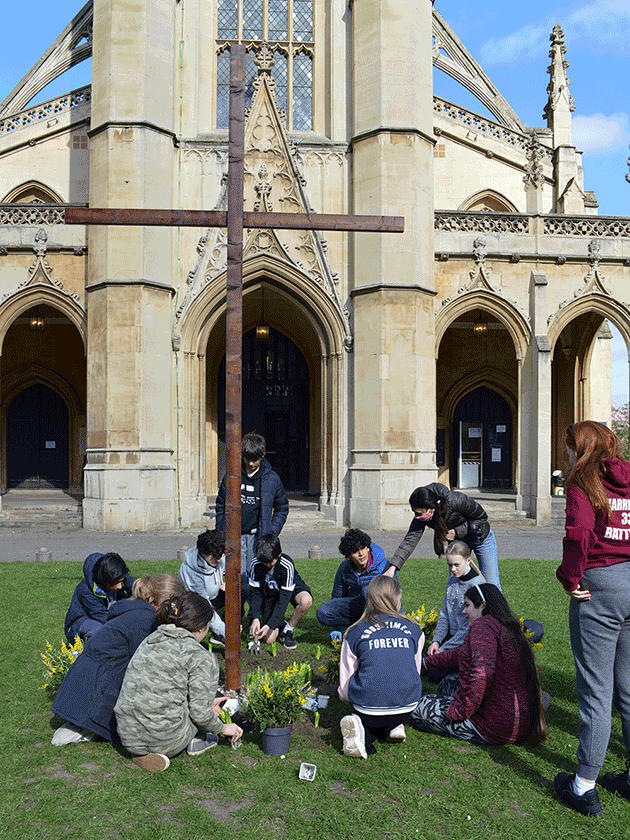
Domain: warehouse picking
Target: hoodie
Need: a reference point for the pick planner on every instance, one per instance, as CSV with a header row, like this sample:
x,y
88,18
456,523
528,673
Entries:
x,y
593,538
90,601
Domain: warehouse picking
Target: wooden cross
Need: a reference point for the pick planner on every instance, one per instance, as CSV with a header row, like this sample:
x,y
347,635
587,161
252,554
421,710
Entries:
x,y
235,220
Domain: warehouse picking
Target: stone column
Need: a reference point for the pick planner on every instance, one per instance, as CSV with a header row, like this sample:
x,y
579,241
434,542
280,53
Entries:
x,y
129,476
535,414
394,366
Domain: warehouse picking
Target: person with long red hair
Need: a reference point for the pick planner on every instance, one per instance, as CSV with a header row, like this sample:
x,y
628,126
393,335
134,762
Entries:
x,y
595,572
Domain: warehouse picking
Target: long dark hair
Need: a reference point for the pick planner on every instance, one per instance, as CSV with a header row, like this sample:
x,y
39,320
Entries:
x,y
593,443
189,610
423,497
498,608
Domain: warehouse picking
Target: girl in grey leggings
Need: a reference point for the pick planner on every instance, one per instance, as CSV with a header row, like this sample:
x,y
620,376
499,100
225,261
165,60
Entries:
x,y
595,572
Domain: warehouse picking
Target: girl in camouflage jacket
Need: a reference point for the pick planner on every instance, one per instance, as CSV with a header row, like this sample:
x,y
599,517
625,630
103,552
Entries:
x,y
169,688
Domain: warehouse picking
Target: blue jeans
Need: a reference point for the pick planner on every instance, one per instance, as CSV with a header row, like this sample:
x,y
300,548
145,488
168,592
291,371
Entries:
x,y
340,613
486,554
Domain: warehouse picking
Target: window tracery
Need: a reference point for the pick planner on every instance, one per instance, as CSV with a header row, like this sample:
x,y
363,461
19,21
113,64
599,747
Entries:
x,y
287,27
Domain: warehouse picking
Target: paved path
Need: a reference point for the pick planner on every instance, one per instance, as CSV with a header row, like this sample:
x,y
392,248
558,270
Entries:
x,y
517,541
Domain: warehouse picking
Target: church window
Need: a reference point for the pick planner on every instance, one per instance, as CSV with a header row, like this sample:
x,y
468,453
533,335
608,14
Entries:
x,y
287,27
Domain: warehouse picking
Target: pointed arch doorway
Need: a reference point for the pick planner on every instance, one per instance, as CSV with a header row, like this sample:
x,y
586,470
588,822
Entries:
x,y
276,395
38,432
482,440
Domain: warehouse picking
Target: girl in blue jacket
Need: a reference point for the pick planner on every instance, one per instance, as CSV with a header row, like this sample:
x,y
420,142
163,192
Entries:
x,y
379,670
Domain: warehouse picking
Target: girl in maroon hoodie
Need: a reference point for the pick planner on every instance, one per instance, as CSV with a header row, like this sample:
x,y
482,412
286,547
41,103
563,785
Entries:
x,y
595,572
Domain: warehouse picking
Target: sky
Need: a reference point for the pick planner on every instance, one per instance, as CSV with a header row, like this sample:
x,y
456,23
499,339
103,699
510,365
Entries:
x,y
512,45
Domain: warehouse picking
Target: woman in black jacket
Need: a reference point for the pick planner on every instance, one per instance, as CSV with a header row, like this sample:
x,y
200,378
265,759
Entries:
x,y
452,516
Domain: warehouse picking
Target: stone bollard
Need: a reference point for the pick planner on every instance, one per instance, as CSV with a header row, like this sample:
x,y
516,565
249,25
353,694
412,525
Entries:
x,y
315,553
43,554
181,553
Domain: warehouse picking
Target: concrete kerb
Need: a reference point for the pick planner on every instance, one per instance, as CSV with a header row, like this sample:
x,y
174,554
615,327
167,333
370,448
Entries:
x,y
22,544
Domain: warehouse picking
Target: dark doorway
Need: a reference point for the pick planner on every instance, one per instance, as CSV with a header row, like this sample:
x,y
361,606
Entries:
x,y
37,439
275,404
482,440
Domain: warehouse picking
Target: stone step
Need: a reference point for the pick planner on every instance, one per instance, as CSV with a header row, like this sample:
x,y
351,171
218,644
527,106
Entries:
x,y
40,520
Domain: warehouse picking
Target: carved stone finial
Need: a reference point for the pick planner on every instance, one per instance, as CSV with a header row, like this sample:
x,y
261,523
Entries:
x,y
533,178
559,98
264,58
40,247
262,187
480,252
594,250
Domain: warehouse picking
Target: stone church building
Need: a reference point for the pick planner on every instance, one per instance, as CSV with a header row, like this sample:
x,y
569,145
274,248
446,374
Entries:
x,y
458,350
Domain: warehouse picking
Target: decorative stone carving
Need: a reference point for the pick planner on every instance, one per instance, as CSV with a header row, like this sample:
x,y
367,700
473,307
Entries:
x,y
272,179
586,226
53,107
32,214
481,222
534,178
558,87
41,272
594,281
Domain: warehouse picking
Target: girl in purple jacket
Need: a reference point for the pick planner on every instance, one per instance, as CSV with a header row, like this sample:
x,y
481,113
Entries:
x,y
595,573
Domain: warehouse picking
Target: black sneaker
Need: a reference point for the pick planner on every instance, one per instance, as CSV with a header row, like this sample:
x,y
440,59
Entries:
x,y
587,804
617,782
287,639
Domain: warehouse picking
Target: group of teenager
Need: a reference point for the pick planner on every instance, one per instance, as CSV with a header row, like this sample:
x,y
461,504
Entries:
x,y
144,677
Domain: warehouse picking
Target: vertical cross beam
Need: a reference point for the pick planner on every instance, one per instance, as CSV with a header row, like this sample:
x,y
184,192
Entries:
x,y
233,368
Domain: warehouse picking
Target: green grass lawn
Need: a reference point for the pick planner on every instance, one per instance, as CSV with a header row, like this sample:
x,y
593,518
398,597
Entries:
x,y
427,787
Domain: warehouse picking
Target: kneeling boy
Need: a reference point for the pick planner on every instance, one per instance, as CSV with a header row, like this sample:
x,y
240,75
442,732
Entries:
x,y
273,583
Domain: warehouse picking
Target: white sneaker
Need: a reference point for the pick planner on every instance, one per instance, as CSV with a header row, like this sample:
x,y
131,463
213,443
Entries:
x,y
353,736
398,733
69,734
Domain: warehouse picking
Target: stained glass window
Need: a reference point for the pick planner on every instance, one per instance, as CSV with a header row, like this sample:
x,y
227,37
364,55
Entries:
x,y
287,25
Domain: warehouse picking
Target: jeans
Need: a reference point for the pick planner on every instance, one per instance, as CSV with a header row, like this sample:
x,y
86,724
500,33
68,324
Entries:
x,y
486,554
340,613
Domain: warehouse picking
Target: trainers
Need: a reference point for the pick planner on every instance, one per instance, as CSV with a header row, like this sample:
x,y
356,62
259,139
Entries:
x,y
200,745
335,636
253,646
287,639
587,804
617,782
353,736
152,762
217,639
69,734
398,733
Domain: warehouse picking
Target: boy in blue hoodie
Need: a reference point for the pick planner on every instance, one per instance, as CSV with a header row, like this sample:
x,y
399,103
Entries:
x,y
364,560
106,579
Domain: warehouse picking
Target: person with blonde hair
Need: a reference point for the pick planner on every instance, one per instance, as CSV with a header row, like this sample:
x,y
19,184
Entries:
x,y
167,702
379,670
595,573
89,691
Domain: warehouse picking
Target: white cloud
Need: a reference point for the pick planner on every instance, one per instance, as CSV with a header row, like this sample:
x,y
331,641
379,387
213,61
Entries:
x,y
603,24
599,133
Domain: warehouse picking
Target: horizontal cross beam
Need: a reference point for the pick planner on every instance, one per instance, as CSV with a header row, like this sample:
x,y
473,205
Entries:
x,y
218,218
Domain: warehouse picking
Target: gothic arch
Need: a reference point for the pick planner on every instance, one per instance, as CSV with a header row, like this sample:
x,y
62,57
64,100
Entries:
x,y
25,376
31,374
38,295
596,302
205,311
488,377
497,306
488,200
32,192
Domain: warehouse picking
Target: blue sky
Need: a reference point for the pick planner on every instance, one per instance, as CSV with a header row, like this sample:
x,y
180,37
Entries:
x,y
512,45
